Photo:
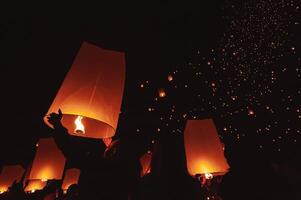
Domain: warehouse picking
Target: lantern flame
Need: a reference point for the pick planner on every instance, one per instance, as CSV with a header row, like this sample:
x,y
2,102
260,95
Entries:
x,y
208,176
80,128
44,179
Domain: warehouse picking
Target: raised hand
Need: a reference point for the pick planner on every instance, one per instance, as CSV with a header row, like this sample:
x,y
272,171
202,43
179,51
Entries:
x,y
55,118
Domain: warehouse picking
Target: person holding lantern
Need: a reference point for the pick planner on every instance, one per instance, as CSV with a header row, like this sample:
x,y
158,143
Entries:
x,y
103,170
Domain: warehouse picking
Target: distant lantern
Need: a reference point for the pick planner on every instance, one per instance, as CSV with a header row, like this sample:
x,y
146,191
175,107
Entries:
x,y
71,177
48,163
9,174
145,161
91,94
204,150
161,93
169,78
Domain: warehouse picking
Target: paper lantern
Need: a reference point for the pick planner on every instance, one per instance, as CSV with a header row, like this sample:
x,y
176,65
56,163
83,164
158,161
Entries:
x,y
71,177
90,96
162,93
145,161
9,174
204,151
170,78
48,163
34,185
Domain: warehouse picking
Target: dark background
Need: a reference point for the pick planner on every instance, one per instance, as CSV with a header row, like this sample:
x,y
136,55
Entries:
x,y
38,42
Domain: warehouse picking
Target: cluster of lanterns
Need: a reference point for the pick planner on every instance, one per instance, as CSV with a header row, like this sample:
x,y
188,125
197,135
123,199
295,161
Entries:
x,y
90,98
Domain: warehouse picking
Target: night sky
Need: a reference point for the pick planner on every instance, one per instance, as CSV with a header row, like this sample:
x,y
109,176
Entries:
x,y
236,62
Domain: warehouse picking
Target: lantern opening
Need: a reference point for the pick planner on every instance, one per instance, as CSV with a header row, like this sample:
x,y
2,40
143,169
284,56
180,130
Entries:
x,y
208,176
80,128
44,179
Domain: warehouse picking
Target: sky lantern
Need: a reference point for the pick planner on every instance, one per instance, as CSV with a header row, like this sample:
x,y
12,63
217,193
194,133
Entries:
x,y
204,150
71,177
161,92
90,96
9,174
169,77
145,161
48,163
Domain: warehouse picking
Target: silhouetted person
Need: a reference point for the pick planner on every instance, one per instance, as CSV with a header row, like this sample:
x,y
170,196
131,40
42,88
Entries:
x,y
111,174
16,192
169,179
72,193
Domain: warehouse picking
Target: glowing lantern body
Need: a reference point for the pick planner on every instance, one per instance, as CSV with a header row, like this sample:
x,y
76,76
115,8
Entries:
x,y
204,151
71,177
34,185
145,161
49,162
8,175
93,90
162,93
170,78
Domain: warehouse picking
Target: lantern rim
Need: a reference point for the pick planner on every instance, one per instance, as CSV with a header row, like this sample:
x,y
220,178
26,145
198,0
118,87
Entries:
x,y
68,122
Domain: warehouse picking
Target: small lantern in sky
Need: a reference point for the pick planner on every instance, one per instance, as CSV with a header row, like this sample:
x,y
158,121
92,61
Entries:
x,y
71,177
48,163
90,96
204,150
145,161
170,78
8,175
161,92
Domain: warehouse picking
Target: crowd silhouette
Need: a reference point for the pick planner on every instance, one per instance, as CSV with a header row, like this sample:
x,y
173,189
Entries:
x,y
113,173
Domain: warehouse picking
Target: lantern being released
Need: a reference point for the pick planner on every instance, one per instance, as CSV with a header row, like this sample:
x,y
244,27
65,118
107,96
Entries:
x,y
91,94
48,163
8,175
204,151
71,177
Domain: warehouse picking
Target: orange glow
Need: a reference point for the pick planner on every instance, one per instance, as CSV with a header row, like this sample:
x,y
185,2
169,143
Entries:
x,y
204,151
93,89
8,175
71,177
107,141
170,78
80,128
145,161
48,163
35,185
162,93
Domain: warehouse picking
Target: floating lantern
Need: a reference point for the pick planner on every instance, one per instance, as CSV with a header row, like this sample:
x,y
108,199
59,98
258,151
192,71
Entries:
x,y
9,174
91,94
145,161
161,93
71,177
169,78
204,151
48,163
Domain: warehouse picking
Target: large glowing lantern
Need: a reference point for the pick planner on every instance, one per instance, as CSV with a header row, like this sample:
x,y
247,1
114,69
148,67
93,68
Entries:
x,y
204,151
9,174
48,163
71,177
145,161
91,94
